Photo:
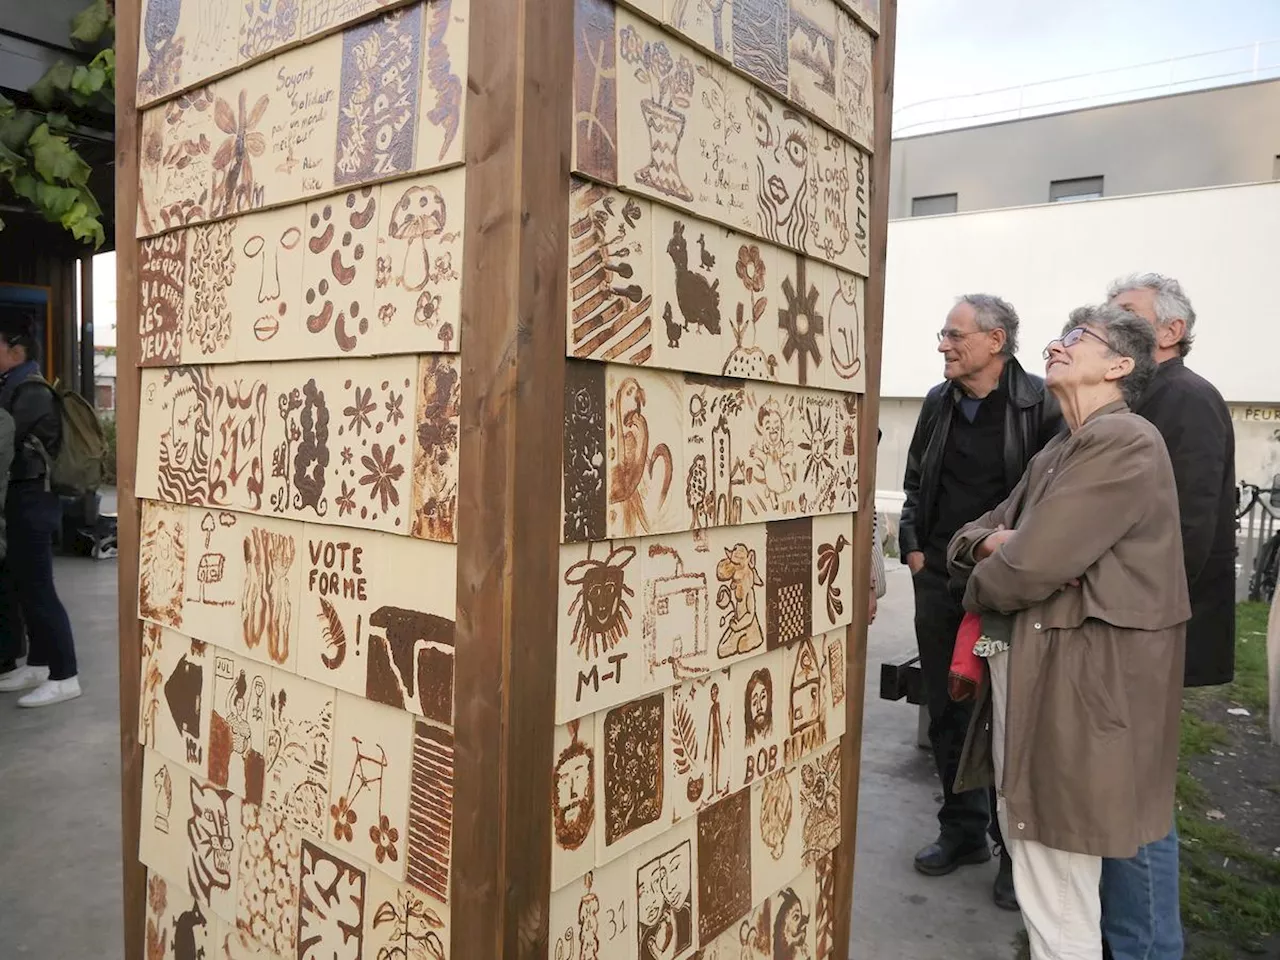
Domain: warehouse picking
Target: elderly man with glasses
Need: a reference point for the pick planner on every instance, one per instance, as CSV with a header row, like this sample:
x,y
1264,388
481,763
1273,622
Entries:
x,y
975,435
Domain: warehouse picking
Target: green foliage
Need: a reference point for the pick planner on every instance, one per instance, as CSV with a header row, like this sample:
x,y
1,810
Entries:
x,y
36,157
108,421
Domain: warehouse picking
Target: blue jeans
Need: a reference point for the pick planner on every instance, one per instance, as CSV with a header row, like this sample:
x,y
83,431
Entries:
x,y
1140,915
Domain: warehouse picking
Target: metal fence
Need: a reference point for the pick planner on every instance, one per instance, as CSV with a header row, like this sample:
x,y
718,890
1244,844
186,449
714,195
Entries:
x,y
1257,540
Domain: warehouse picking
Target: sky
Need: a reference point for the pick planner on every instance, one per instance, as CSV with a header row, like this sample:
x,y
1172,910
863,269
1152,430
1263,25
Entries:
x,y
951,47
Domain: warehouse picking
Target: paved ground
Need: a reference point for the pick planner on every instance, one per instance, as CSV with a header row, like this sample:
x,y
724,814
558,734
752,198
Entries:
x,y
60,812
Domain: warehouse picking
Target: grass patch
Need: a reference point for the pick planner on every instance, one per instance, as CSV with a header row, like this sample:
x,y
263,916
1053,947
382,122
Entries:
x,y
1249,688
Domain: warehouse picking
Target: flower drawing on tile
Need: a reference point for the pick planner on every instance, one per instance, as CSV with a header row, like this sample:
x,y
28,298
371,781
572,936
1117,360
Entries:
x,y
748,360
384,838
267,25
269,865
234,187
671,84
382,475
736,598
600,610
820,798
801,322
412,926
210,271
435,455
174,162
378,103
358,411
783,176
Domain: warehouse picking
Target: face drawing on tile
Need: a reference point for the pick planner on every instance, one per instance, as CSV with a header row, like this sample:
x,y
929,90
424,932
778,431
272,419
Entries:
x,y
435,455
339,269
772,469
575,792
633,484
378,102
670,82
600,610
610,275
758,707
845,314
634,765
210,838
782,169
183,471
331,906
162,563
237,731
267,254
675,616
736,598
790,927
664,904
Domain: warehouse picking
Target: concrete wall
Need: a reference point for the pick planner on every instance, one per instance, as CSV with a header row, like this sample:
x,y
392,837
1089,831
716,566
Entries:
x,y
1206,138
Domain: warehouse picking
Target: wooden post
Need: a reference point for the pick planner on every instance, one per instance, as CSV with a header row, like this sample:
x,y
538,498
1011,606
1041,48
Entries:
x,y
515,248
869,417
134,880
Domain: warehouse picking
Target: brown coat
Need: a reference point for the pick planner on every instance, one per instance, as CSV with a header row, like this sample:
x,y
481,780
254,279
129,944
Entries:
x,y
1095,671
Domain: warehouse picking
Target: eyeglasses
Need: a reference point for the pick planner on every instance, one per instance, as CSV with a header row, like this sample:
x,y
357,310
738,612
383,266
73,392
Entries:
x,y
955,336
1071,338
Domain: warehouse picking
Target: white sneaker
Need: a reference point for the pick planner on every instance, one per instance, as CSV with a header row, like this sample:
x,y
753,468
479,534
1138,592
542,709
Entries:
x,y
51,692
23,678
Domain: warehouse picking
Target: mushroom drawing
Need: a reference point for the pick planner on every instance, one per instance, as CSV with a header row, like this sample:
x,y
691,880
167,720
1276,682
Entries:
x,y
419,216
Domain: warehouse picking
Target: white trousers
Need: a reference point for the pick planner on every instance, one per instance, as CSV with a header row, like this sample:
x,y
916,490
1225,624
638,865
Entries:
x,y
1057,891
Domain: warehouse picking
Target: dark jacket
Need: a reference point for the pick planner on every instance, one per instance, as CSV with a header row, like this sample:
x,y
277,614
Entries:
x,y
1032,419
1196,425
36,417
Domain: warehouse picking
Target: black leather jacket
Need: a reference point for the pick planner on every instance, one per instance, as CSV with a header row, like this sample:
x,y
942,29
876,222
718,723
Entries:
x,y
36,416
1032,418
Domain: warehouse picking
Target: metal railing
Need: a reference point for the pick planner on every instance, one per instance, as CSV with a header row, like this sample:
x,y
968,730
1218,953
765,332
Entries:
x,y
1257,540
1211,68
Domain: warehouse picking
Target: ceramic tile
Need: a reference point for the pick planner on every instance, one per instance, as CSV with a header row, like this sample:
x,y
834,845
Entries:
x,y
777,842
333,904
666,894
443,101
742,576
162,278
183,42
708,23
266,26
339,272
378,97
833,648
164,536
844,297
699,728
172,407
270,861
369,798
824,907
799,319
600,659
631,778
644,453
208,306
812,57
241,694
176,927
162,843
678,572
240,157
855,95
176,697
300,122
300,741
789,583
784,181
574,807
837,180
753,323
868,11
595,90
760,40
372,625
418,295
584,506
232,943
724,864
176,161
430,861
611,264
809,706
758,690
793,910
594,917
265,293
238,409
819,804
831,566
267,558
721,167
320,15
214,574
657,91
716,463
653,8
396,914
434,511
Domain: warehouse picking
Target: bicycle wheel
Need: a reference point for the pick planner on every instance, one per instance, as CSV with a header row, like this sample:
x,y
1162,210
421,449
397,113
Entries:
x,y
1266,571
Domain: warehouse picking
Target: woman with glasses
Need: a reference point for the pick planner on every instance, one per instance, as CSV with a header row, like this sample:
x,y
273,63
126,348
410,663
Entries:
x,y
1079,577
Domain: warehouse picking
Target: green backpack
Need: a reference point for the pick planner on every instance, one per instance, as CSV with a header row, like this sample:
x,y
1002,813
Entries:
x,y
77,469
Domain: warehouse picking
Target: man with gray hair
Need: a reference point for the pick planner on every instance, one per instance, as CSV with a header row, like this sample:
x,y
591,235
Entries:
x,y
975,435
1140,895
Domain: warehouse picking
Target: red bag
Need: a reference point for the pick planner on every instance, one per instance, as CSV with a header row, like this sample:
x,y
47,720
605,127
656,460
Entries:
x,y
966,666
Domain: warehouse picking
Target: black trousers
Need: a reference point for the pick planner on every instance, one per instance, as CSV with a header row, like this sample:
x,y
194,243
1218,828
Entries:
x,y
13,633
965,817
34,515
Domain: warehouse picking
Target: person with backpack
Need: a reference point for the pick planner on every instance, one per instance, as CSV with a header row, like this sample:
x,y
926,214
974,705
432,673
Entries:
x,y
33,514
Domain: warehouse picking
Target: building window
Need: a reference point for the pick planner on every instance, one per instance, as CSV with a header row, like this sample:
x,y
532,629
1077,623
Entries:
x,y
104,395
1082,188
931,206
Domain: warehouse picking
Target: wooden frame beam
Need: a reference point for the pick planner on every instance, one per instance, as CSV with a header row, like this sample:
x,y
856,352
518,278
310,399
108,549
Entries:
x,y
515,243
